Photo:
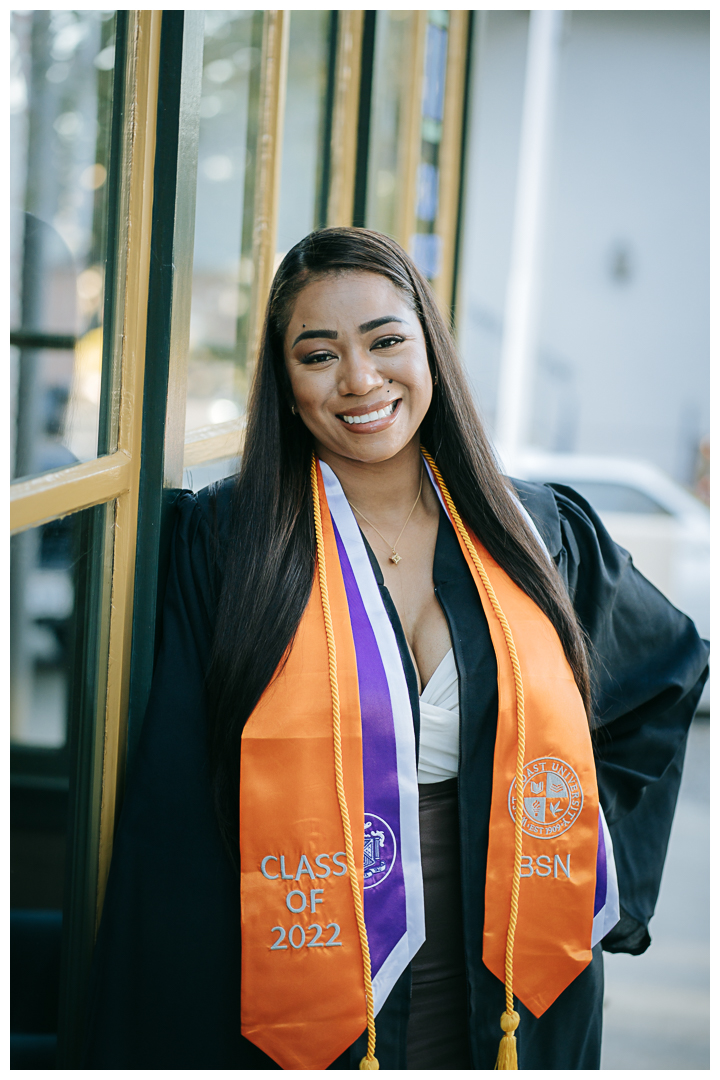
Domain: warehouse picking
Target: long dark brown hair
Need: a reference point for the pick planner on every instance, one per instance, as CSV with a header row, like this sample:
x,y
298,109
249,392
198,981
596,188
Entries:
x,y
271,552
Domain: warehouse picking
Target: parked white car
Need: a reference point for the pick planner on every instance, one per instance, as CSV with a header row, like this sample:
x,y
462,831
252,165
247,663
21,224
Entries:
x,y
663,526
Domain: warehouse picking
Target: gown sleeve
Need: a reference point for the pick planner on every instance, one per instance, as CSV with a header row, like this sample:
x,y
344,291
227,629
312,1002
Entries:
x,y
648,668
165,988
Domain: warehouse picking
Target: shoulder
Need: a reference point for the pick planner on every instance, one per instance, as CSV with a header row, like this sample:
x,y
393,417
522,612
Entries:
x,y
574,533
204,518
553,505
216,500
598,574
627,620
540,503
213,503
202,529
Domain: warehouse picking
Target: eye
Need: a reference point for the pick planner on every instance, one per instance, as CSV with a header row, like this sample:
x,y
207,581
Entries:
x,y
388,341
317,357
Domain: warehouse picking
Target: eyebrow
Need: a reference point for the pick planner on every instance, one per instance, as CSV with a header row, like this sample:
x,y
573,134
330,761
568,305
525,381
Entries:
x,y
364,328
332,334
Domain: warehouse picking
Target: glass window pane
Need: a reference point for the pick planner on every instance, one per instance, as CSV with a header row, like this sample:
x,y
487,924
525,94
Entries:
x,y
48,566
223,266
394,32
61,110
306,107
60,604
425,243
223,258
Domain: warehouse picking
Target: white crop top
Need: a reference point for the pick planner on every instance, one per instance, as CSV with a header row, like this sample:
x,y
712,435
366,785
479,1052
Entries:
x,y
440,724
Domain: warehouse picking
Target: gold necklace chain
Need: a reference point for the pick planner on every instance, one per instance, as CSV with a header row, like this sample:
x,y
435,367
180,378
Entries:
x,y
394,557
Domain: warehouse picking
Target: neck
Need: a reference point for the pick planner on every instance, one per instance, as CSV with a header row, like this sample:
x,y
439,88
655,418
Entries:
x,y
384,490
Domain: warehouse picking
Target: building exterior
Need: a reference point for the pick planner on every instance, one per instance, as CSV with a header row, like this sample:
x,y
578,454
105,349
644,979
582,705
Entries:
x,y
622,337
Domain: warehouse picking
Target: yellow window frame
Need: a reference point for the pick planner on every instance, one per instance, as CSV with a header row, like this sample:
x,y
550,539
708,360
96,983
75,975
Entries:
x,y
116,476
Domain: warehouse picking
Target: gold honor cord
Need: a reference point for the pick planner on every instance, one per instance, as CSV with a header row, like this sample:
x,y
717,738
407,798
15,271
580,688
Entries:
x,y
507,1053
369,1061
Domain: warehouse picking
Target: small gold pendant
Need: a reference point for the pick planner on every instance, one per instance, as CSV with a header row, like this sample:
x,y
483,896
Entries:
x,y
395,558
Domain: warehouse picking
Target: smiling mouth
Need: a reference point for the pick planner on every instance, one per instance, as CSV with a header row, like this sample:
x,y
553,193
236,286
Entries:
x,y
368,418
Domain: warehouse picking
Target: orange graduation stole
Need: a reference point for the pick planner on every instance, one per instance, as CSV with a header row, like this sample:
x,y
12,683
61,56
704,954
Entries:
x,y
540,890
311,846
304,1004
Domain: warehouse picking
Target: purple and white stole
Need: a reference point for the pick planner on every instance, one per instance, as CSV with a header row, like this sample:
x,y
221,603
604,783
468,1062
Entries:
x,y
393,887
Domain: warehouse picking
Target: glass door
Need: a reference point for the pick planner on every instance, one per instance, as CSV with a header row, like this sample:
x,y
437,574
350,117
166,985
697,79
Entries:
x,y
79,182
162,163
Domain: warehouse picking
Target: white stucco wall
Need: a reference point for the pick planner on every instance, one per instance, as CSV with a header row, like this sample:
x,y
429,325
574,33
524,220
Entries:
x,y
622,351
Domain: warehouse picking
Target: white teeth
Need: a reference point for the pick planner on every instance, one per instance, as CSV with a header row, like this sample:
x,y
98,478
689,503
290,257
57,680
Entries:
x,y
368,417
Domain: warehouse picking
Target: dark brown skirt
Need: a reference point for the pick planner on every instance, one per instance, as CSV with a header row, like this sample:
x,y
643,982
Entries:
x,y
438,1028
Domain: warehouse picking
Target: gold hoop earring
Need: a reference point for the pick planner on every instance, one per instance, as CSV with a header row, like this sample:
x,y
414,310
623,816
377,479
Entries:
x,y
293,410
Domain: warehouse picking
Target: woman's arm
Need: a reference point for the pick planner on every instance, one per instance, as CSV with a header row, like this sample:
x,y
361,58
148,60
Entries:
x,y
649,666
166,980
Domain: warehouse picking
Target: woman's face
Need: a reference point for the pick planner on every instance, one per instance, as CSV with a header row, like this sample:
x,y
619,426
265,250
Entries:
x,y
355,354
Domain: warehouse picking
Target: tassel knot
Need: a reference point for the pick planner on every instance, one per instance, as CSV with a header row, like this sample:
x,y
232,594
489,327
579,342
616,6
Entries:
x,y
507,1052
370,1063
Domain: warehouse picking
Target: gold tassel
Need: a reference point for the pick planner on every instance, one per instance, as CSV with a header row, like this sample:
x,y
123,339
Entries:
x,y
507,1052
370,1063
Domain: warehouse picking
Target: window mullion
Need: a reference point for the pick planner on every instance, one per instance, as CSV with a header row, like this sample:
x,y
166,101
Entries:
x,y
410,156
450,163
273,82
215,442
100,753
346,102
168,326
56,494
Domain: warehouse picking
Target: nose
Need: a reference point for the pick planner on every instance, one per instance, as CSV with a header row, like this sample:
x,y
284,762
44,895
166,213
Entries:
x,y
358,374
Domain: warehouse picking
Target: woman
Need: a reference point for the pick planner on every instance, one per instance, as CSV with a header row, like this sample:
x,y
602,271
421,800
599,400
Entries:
x,y
373,641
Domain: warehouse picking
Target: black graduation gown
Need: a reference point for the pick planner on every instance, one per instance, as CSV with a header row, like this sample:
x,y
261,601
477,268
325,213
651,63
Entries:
x,y
165,990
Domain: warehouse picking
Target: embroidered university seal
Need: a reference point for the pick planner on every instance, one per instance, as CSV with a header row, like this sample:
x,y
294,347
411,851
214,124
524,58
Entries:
x,y
379,850
552,797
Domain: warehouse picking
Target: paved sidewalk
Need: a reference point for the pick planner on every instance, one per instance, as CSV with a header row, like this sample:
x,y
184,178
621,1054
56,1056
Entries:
x,y
657,1009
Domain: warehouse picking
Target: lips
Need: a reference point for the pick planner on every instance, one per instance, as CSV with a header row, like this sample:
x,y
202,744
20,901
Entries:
x,y
355,418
